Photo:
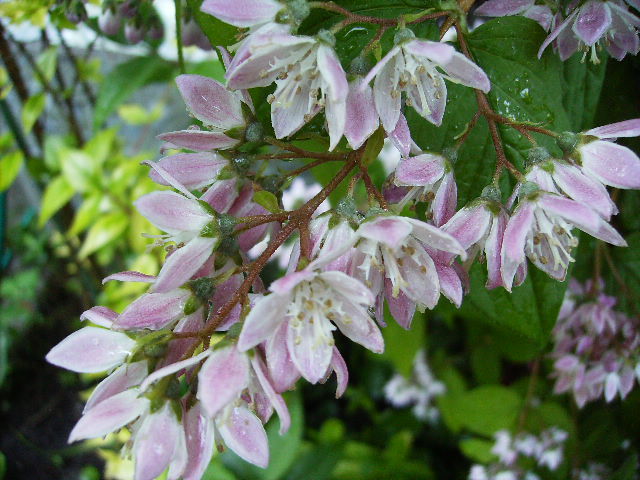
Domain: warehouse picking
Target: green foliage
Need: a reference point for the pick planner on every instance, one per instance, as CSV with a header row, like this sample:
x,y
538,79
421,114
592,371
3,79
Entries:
x,y
32,110
124,80
10,165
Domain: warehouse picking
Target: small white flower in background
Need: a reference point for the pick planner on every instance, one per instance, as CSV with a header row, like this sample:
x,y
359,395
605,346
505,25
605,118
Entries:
x,y
546,449
419,390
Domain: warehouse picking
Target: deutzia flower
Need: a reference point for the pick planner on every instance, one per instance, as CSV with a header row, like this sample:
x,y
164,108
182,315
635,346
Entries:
x,y
398,258
540,229
312,304
411,66
593,24
307,73
243,13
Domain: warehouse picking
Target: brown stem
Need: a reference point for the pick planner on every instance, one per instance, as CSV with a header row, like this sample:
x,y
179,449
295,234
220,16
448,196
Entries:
x,y
257,220
305,241
531,388
372,190
470,126
309,166
304,153
86,88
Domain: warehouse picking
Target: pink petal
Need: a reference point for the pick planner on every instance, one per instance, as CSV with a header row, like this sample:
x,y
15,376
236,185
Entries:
x,y
501,8
333,74
155,443
450,284
124,377
275,399
390,231
263,320
358,326
460,69
554,34
493,249
91,350
421,170
284,285
541,14
110,415
222,194
514,239
282,370
355,290
469,225
421,276
336,114
434,237
288,118
362,118
581,216
199,438
342,373
129,277
446,199
437,52
172,212
627,128
101,316
593,20
401,136
387,106
222,378
193,170
611,164
310,352
153,310
210,102
199,140
243,433
583,189
184,262
242,13
173,368
402,308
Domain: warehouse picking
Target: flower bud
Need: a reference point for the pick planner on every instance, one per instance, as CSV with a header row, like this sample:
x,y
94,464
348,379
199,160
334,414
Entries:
x,y
567,141
402,35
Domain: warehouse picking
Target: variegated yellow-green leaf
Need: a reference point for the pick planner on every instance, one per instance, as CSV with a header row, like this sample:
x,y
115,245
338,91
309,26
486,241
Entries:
x,y
103,232
10,165
135,114
78,168
56,195
47,63
32,109
86,214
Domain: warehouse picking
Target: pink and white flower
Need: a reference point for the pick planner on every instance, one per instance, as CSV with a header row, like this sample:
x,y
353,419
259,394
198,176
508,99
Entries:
x,y
596,23
540,229
431,178
605,161
312,304
396,259
307,73
479,227
243,13
411,66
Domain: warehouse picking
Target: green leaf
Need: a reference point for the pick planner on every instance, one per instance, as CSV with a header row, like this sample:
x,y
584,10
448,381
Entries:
x,y
530,310
487,409
86,214
135,114
104,231
47,62
267,200
218,32
400,345
628,470
79,169
478,450
485,363
10,166
99,147
32,109
124,80
56,195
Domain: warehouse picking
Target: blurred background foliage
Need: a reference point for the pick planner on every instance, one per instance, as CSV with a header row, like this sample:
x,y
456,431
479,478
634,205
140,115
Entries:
x,y
80,110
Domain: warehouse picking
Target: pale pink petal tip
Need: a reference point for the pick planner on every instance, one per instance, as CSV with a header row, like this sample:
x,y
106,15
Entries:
x,y
244,434
91,350
242,13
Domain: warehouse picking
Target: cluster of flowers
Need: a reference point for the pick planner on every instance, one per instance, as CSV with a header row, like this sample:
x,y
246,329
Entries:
x,y
587,26
596,348
419,390
546,450
138,17
203,357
